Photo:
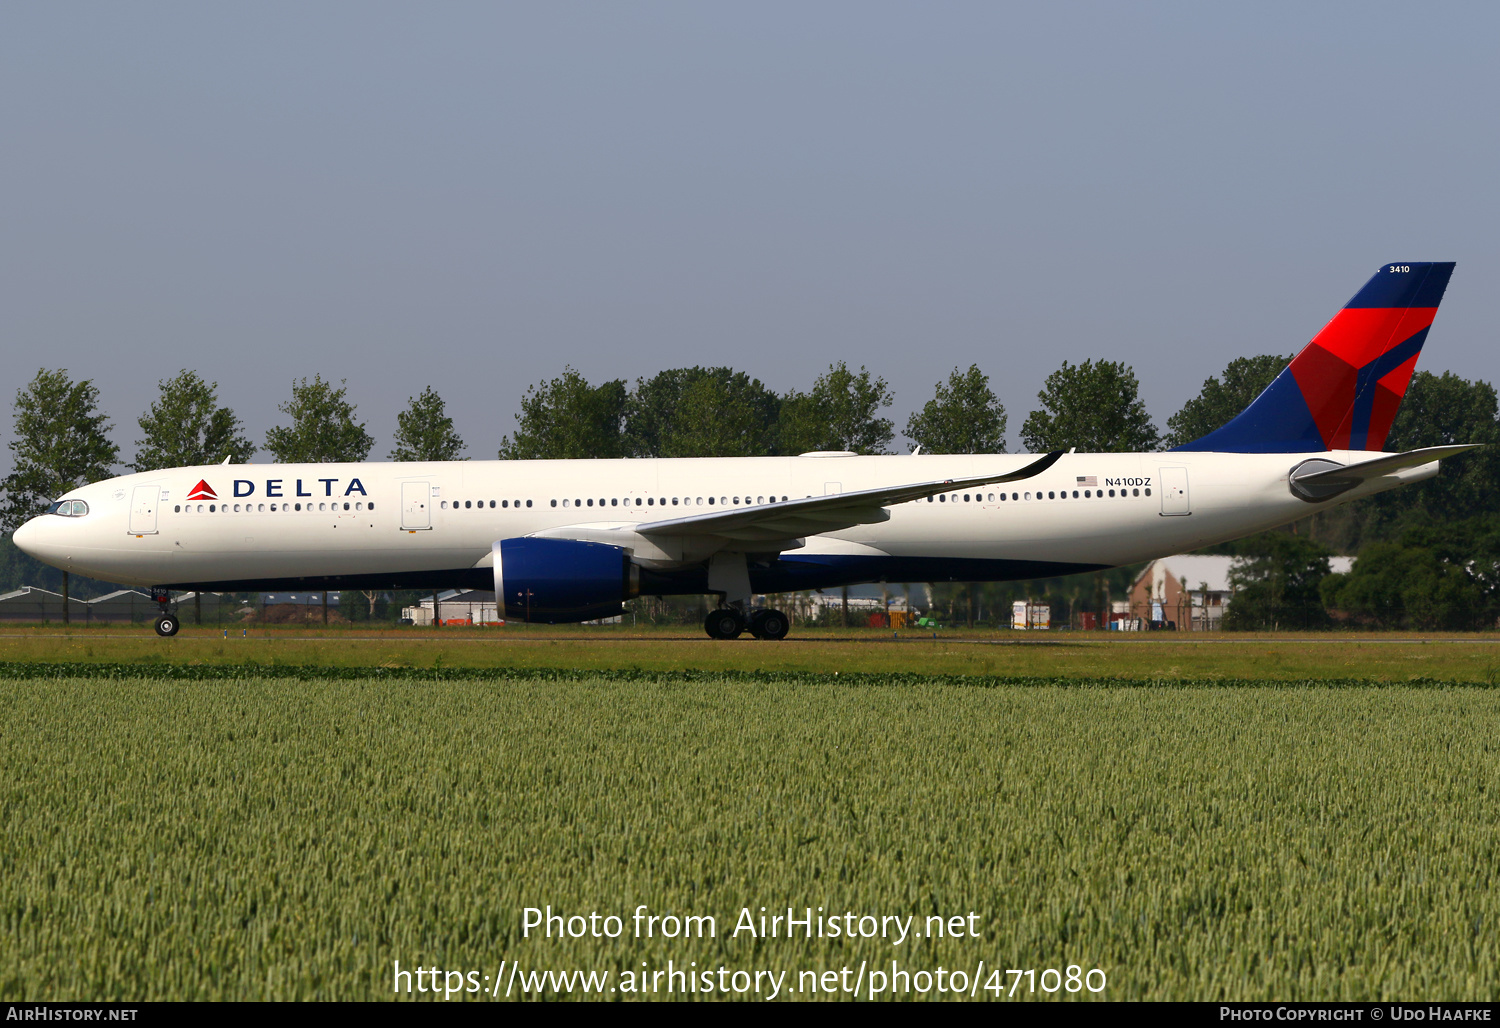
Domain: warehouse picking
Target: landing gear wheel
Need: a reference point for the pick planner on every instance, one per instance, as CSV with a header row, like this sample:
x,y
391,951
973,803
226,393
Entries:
x,y
166,625
769,624
723,624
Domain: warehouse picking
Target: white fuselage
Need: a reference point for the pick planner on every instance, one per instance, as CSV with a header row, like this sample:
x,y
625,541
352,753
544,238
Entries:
x,y
269,522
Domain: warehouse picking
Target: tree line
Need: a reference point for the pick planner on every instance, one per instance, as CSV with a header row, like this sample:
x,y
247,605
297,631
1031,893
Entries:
x,y
61,440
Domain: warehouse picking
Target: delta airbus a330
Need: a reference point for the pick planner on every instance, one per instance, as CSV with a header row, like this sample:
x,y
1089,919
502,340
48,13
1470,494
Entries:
x,y
569,540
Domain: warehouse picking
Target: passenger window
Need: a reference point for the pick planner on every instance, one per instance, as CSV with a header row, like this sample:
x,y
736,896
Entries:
x,y
554,503
1148,490
211,509
528,503
177,509
346,506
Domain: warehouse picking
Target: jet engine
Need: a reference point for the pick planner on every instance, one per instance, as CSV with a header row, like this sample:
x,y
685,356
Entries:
x,y
562,580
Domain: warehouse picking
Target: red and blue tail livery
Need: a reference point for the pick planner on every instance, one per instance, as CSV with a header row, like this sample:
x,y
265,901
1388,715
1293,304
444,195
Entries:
x,y
1342,391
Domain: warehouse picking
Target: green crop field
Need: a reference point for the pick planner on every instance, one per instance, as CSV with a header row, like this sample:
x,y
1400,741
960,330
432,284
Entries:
x,y
211,831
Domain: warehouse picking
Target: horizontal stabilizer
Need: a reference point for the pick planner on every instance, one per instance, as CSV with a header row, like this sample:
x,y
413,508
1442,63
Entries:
x,y
1316,480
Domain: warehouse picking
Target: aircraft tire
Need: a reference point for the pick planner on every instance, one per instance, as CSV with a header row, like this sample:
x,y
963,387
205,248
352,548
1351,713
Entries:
x,y
769,624
723,624
166,625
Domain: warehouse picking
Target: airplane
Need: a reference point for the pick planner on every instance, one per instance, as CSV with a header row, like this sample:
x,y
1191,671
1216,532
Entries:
x,y
570,540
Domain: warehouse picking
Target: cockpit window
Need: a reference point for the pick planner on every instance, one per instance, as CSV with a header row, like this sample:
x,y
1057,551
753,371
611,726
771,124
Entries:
x,y
69,508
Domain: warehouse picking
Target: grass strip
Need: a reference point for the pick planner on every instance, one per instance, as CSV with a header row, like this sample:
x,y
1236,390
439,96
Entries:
x,y
162,671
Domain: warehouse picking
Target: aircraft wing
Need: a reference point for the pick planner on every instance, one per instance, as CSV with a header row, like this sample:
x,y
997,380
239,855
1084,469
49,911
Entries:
x,y
812,515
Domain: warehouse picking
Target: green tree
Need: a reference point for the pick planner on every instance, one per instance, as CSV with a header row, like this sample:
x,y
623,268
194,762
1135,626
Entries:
x,y
701,412
1437,409
568,418
187,427
1220,402
1441,409
1276,584
323,429
425,432
1435,576
1396,586
840,413
1094,406
61,442
964,417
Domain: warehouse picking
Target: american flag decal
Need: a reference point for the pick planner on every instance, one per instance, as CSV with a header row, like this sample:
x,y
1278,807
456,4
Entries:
x,y
1088,480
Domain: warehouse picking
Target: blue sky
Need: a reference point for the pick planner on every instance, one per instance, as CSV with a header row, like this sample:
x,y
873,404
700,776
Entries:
x,y
472,196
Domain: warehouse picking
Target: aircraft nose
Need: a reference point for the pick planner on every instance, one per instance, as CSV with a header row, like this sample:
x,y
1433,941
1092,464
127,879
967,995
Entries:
x,y
30,539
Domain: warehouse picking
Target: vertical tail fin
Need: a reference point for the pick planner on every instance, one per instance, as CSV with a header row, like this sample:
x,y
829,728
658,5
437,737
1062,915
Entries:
x,y
1342,391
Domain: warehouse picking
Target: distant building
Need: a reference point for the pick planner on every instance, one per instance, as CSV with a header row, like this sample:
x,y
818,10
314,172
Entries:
x,y
303,598
457,607
1189,590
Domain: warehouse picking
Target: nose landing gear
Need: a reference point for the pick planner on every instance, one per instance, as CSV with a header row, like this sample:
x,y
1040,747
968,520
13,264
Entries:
x,y
167,624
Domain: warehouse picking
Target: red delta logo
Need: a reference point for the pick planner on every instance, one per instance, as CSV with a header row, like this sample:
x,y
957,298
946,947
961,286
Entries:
x,y
203,491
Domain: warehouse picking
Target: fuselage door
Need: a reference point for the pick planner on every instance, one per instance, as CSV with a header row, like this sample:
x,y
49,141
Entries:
x,y
143,509
1174,492
416,506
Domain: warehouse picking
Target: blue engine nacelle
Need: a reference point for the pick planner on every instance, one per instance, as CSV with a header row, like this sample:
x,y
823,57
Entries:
x,y
562,580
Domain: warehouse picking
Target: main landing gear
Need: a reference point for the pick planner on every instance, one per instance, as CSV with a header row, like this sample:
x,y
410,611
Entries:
x,y
167,624
728,623
729,579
